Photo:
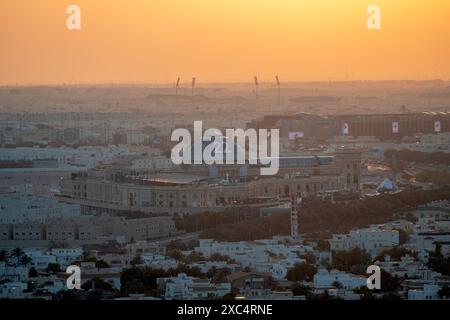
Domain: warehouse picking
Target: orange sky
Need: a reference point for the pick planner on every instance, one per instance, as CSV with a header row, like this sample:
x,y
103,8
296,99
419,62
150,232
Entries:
x,y
143,41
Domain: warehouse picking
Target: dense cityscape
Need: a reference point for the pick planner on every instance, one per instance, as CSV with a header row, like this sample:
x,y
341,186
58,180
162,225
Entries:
x,y
224,159
99,190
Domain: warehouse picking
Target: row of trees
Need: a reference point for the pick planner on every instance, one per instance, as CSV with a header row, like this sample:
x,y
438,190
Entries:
x,y
409,156
439,178
15,257
319,220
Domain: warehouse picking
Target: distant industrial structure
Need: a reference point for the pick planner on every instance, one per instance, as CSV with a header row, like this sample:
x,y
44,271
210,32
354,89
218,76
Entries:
x,y
383,126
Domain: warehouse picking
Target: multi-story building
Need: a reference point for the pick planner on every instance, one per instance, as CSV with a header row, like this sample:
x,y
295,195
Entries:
x,y
201,188
88,229
22,207
383,126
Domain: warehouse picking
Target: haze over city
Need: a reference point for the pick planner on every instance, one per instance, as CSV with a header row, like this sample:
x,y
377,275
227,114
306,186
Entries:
x,y
143,41
235,153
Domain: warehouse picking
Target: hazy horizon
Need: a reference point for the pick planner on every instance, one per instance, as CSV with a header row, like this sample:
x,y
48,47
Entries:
x,y
140,41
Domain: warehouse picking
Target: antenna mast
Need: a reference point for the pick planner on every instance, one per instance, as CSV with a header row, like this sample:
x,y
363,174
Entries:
x,y
294,216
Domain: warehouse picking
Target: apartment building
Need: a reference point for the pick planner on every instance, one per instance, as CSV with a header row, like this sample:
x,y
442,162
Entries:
x,y
85,229
373,240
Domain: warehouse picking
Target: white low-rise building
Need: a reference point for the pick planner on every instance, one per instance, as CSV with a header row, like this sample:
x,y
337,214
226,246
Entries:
x,y
278,268
89,271
426,242
407,267
205,266
324,279
18,208
183,287
13,290
40,258
249,254
429,292
66,256
373,240
13,273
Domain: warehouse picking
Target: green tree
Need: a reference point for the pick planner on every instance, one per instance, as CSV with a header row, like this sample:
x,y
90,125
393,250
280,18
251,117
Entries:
x,y
141,280
309,257
444,292
438,262
53,268
17,253
403,236
301,272
395,253
32,273
4,256
134,286
365,293
300,290
25,260
195,256
355,260
175,254
98,284
220,275
101,264
136,260
323,245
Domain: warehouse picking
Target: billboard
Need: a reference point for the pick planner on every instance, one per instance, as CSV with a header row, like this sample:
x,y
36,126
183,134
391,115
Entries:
x,y
437,126
395,128
296,134
345,128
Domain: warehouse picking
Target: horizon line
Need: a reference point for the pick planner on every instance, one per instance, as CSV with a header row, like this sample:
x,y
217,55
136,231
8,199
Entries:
x,y
208,83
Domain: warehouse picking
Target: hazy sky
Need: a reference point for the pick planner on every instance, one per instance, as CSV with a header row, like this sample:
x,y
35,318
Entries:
x,y
143,41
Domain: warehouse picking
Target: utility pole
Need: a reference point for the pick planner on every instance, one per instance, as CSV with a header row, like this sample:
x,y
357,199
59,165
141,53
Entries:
x,y
279,90
255,78
177,85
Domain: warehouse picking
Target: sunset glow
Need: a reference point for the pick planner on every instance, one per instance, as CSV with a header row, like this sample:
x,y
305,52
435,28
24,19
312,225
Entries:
x,y
144,41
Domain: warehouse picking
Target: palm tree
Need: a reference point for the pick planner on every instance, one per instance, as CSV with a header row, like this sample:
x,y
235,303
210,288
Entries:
x,y
4,256
18,253
25,260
